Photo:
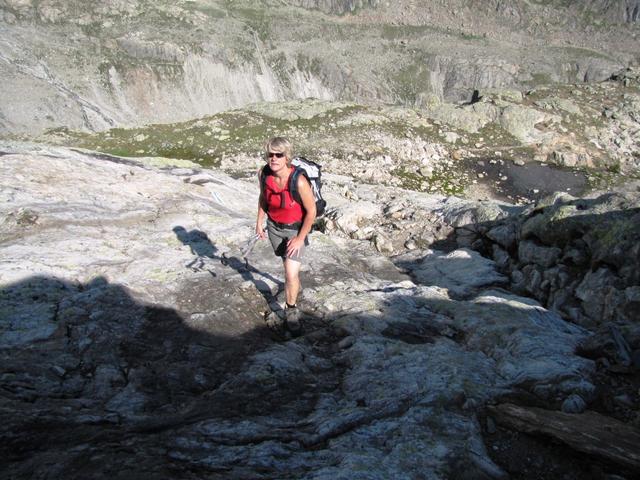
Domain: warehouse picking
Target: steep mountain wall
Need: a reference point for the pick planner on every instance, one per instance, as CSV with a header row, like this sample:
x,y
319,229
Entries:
x,y
335,6
99,65
617,11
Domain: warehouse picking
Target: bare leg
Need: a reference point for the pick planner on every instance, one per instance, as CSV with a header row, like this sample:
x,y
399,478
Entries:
x,y
292,280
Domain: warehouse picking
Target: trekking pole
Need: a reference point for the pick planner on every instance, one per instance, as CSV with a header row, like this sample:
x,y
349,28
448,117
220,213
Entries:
x,y
248,247
245,249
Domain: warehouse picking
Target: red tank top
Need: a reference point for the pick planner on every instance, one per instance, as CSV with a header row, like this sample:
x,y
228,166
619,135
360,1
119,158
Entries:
x,y
281,207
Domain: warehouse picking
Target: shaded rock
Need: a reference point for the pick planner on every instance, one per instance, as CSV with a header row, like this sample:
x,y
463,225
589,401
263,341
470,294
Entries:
x,y
574,404
589,432
624,401
501,257
532,279
604,222
529,252
593,291
635,359
503,235
576,256
568,258
465,237
491,426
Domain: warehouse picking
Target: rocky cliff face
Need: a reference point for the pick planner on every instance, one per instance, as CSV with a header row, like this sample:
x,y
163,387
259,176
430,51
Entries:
x,y
336,6
627,11
96,66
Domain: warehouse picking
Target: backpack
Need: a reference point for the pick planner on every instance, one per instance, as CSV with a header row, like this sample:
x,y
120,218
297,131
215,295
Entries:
x,y
312,172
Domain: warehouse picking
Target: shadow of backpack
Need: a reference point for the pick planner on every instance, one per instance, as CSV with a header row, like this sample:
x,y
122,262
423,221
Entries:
x,y
312,172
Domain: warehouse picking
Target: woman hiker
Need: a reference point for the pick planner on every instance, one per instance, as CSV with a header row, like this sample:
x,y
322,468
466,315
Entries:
x,y
288,222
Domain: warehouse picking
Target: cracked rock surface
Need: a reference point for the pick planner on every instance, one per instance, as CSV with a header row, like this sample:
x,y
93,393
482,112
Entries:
x,y
133,339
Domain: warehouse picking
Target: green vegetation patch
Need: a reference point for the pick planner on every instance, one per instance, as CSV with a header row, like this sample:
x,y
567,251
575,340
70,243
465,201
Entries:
x,y
599,179
616,231
584,53
493,136
444,181
208,9
207,141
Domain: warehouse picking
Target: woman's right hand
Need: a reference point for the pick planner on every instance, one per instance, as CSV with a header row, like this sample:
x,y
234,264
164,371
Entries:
x,y
260,232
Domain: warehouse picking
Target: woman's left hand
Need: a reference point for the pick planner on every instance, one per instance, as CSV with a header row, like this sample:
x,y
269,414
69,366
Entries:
x,y
293,246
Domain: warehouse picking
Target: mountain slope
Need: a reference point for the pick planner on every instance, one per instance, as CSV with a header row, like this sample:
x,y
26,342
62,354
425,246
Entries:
x,y
95,66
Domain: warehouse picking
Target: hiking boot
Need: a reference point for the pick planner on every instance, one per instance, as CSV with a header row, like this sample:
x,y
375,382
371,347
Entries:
x,y
292,315
274,321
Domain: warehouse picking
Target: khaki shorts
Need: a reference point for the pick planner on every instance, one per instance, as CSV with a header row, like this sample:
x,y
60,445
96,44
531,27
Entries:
x,y
279,238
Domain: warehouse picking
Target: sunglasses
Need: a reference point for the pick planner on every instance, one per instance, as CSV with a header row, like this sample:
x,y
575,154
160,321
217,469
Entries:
x,y
275,154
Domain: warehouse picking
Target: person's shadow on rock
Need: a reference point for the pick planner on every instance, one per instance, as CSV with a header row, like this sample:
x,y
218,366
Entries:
x,y
200,246
204,250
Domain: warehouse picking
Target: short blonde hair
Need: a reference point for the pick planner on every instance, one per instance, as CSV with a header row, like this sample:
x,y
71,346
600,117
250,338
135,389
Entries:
x,y
279,144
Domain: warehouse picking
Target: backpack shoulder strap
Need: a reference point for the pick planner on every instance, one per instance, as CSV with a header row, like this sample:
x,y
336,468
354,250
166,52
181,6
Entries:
x,y
293,183
263,174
